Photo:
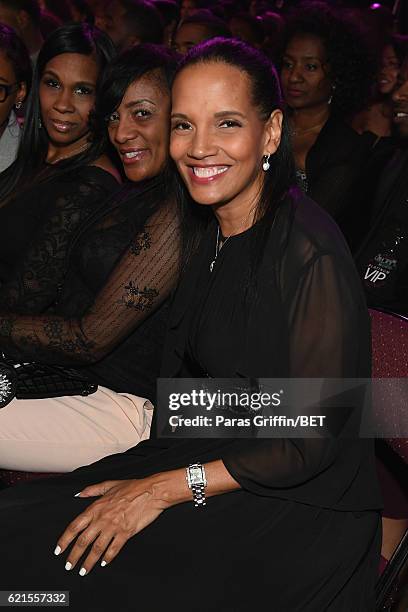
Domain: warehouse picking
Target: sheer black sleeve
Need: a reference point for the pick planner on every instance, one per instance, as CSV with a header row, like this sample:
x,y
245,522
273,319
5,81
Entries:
x,y
143,278
323,316
35,284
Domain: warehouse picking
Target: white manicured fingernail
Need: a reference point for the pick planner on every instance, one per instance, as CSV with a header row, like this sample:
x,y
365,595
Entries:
x,y
82,571
103,563
57,550
68,566
77,494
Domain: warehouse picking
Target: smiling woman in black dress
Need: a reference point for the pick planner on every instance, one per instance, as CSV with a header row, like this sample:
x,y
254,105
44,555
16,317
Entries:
x,y
290,524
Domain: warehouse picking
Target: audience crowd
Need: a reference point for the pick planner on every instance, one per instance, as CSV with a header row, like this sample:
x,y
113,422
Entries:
x,y
114,124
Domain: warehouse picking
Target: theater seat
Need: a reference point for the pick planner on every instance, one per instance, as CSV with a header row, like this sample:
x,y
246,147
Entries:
x,y
392,587
390,360
10,477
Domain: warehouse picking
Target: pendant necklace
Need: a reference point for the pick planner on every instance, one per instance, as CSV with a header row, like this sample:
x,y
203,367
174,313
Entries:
x,y
218,248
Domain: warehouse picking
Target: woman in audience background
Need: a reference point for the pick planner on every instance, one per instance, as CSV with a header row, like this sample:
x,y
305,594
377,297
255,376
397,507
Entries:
x,y
61,173
377,118
275,504
247,28
81,11
15,83
117,338
60,8
377,125
325,78
196,28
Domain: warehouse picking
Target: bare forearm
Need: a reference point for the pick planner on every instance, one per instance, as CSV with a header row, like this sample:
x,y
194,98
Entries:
x,y
171,487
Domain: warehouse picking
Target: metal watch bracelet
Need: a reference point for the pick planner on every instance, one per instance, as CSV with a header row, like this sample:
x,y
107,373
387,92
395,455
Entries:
x,y
196,480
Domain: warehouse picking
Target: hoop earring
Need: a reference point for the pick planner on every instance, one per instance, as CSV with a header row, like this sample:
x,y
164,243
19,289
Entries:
x,y
266,165
18,105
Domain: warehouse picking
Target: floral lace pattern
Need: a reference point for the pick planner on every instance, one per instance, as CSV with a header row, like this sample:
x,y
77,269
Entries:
x,y
142,242
138,298
139,283
37,280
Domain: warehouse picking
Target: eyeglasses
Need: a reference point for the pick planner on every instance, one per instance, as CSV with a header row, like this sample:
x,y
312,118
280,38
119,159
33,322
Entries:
x,y
7,90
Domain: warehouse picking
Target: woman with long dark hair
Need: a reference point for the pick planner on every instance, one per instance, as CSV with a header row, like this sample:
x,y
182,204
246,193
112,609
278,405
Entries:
x,y
110,314
270,291
61,172
15,83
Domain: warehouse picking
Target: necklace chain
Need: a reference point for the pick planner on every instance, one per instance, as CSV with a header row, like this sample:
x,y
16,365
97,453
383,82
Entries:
x,y
72,154
219,245
307,130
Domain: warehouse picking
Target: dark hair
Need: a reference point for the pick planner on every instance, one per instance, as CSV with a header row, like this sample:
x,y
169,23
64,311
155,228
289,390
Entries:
x,y
352,64
400,45
273,25
266,97
254,25
59,8
83,7
16,52
169,10
125,69
31,7
74,38
214,25
49,23
143,19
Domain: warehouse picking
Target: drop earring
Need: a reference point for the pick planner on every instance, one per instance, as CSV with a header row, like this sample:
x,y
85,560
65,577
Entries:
x,y
266,165
18,105
330,100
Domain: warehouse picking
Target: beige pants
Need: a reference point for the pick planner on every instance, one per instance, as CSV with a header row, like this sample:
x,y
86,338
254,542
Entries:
x,y
63,433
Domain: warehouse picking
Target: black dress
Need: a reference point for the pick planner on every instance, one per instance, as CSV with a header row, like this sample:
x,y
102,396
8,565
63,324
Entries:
x,y
36,230
303,533
333,169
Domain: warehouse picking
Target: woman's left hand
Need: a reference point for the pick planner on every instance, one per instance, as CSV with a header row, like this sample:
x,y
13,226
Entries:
x,y
124,508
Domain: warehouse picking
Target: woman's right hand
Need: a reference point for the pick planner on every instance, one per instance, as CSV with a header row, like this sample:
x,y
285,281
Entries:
x,y
123,509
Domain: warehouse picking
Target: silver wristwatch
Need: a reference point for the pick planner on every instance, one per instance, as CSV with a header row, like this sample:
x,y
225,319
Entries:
x,y
196,480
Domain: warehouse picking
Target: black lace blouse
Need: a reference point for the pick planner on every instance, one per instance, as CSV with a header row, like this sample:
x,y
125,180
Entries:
x,y
111,313
36,229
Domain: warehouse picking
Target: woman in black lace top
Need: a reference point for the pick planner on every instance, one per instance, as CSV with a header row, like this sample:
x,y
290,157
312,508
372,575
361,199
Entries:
x,y
271,291
62,172
110,314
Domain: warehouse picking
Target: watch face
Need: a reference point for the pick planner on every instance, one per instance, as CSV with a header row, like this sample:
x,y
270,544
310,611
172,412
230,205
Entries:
x,y
196,475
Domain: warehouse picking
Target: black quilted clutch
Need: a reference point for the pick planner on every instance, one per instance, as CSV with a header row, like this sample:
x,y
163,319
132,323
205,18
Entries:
x,y
39,381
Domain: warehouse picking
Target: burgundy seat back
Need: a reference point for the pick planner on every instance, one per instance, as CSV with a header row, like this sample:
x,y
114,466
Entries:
x,y
390,360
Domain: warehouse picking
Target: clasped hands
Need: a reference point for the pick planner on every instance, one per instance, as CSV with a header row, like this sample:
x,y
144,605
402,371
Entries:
x,y
123,509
